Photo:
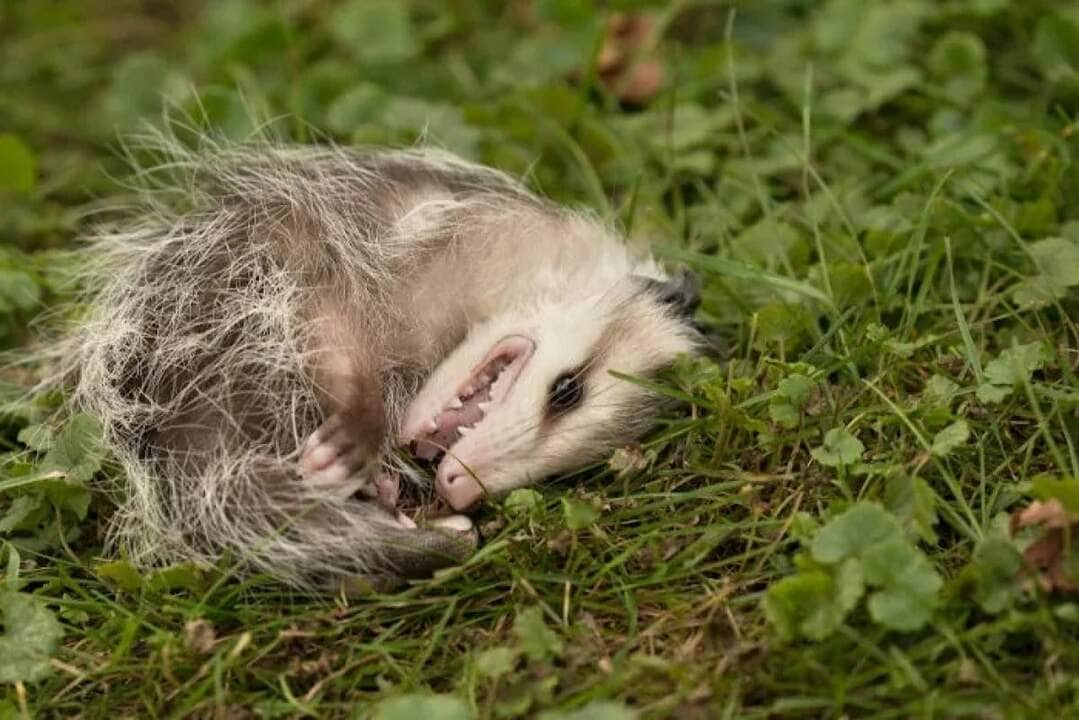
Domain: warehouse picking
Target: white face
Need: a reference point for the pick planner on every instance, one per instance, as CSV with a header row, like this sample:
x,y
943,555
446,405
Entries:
x,y
529,393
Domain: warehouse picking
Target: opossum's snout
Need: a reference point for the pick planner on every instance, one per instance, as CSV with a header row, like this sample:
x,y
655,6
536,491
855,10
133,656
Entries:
x,y
430,432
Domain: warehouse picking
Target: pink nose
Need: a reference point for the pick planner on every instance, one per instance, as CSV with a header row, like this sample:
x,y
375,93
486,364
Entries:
x,y
460,491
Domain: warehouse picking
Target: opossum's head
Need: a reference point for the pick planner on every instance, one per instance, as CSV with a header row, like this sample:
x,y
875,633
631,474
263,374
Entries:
x,y
530,393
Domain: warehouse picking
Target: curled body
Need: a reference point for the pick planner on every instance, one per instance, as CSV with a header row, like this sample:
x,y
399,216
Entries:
x,y
272,337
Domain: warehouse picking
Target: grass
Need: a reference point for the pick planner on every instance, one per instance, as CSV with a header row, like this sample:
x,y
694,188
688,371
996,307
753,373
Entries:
x,y
882,199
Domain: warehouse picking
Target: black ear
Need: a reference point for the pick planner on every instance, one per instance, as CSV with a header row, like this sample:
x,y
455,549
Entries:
x,y
682,292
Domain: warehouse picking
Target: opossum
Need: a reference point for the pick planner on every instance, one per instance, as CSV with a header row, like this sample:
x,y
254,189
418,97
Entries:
x,y
276,333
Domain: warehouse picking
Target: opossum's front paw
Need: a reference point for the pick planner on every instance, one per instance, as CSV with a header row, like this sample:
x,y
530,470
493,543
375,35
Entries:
x,y
333,455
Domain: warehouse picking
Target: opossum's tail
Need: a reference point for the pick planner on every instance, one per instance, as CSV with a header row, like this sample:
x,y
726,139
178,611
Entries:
x,y
255,511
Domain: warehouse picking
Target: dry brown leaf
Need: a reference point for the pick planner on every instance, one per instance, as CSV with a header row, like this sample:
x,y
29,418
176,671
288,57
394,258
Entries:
x,y
628,461
307,667
628,65
199,636
1050,513
1045,558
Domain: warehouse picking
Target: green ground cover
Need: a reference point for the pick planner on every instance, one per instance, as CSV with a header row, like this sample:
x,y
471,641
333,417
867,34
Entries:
x,y
882,199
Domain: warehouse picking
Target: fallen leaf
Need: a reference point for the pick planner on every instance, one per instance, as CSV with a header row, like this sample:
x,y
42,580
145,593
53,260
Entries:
x,y
199,636
627,63
1050,513
1048,558
628,461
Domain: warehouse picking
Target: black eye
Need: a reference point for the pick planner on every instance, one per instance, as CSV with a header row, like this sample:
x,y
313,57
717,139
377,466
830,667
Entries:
x,y
565,392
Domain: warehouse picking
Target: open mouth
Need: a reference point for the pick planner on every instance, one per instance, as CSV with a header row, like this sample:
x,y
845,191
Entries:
x,y
486,386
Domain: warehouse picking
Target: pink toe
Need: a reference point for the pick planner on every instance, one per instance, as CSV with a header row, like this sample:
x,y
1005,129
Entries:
x,y
336,473
320,457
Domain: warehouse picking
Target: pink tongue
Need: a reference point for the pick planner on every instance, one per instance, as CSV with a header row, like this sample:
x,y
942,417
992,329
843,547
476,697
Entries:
x,y
469,414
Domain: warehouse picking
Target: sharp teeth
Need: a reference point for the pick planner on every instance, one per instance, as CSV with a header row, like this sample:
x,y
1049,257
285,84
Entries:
x,y
484,407
465,430
468,391
455,404
432,424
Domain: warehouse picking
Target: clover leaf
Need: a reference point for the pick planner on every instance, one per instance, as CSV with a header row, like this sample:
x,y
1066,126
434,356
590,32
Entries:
x,y
863,547
791,396
813,604
950,438
31,633
1011,368
428,707
839,448
537,641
